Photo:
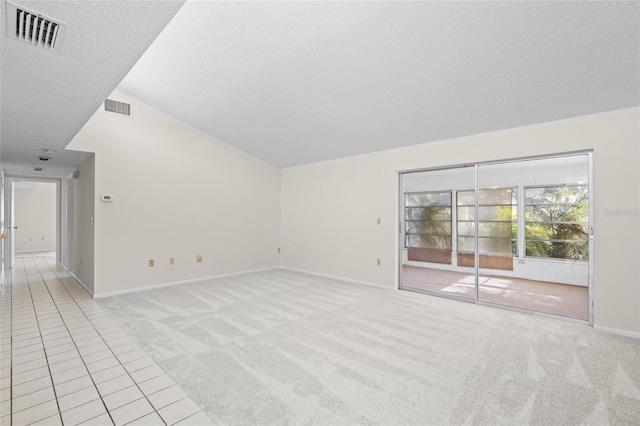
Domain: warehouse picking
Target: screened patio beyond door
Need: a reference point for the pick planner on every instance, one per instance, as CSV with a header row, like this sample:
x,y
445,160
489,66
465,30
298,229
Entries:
x,y
525,223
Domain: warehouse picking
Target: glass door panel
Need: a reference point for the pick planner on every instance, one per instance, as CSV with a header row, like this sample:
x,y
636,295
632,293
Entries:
x,y
495,225
533,235
515,234
429,255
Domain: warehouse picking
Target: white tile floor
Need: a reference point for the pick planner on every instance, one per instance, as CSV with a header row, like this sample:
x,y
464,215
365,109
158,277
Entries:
x,y
63,360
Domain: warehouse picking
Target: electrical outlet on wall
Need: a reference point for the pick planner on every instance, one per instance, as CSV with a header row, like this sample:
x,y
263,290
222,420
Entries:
x,y
378,261
151,263
171,261
199,258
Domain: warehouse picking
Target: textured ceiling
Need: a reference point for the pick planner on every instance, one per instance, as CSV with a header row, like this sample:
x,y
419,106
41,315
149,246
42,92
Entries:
x,y
46,97
299,82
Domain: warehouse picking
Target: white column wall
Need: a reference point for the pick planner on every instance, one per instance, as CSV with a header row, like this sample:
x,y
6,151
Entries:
x,y
177,193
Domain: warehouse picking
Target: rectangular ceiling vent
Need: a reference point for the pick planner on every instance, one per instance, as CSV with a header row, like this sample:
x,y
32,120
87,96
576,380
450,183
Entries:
x,y
117,107
34,28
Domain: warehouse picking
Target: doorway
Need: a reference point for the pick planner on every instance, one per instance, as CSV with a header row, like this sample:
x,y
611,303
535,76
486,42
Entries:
x,y
514,234
33,219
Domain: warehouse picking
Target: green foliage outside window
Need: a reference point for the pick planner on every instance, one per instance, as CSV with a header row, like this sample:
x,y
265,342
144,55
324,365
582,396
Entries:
x,y
557,222
428,220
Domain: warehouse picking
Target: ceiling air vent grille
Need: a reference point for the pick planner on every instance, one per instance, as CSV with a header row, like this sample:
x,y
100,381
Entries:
x,y
117,107
34,28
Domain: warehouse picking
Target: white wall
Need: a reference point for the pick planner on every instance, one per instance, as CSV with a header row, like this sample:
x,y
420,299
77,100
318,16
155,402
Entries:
x,y
35,216
3,231
84,232
177,192
329,209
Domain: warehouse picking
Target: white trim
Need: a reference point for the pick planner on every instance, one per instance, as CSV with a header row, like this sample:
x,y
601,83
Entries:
x,y
8,224
69,222
58,221
618,331
36,251
79,281
610,330
171,284
9,205
384,287
592,257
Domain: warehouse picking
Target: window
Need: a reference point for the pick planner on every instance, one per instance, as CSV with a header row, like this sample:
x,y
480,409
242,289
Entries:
x,y
555,225
428,226
497,227
557,222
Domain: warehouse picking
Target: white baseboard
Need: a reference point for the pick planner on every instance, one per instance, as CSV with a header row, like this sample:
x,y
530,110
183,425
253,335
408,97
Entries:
x,y
171,284
610,330
339,278
618,331
83,285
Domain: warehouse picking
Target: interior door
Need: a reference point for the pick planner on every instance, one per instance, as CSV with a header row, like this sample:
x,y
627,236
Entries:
x,y
2,220
12,226
9,242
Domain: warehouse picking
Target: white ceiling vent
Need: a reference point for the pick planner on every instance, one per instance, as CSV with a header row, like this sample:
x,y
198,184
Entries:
x,y
34,28
117,107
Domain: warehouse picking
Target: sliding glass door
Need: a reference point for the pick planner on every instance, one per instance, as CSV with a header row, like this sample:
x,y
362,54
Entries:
x,y
515,234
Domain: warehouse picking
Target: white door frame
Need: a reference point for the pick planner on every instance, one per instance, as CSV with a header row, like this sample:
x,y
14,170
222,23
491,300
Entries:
x,y
9,215
70,200
591,278
9,239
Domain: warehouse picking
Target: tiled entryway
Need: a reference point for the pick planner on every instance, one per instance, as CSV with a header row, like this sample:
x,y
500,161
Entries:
x,y
65,361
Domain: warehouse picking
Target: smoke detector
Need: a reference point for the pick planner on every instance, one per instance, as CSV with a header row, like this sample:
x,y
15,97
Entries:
x,y
34,28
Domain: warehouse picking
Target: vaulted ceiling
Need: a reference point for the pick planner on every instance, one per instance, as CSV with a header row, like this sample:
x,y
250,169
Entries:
x,y
299,82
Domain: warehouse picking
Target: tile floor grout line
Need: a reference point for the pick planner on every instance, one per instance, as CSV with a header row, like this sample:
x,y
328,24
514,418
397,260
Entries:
x,y
10,293
43,345
110,350
116,357
74,344
40,293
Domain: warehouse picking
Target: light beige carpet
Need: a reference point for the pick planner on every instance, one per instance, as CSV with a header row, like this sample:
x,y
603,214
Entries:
x,y
286,348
